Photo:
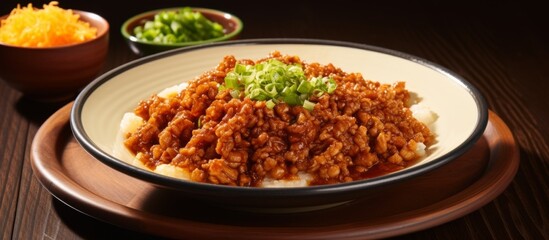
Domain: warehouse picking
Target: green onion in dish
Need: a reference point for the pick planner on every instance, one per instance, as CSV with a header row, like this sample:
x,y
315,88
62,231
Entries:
x,y
273,82
178,26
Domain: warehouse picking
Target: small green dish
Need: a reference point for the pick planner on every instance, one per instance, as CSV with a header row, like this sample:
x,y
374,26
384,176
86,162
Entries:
x,y
232,27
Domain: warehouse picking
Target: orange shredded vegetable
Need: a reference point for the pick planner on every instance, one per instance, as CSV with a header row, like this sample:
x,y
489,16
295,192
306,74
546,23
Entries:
x,y
47,27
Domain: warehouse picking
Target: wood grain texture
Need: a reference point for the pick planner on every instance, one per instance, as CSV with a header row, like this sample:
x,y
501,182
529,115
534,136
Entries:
x,y
500,46
10,164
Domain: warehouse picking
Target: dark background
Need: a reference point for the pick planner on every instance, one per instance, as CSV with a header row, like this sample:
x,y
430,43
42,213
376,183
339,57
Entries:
x,y
506,28
501,47
382,23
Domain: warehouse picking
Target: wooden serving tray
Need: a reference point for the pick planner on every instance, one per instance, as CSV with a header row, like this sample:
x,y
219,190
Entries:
x,y
447,193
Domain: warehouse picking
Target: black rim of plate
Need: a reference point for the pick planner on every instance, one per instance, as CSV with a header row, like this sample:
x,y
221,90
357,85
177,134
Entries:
x,y
213,189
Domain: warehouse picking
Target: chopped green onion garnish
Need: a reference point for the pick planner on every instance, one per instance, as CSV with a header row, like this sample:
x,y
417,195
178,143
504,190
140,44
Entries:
x,y
270,104
273,81
308,105
235,93
305,87
176,26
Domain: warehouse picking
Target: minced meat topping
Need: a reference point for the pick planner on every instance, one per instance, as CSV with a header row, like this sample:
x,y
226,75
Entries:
x,y
361,129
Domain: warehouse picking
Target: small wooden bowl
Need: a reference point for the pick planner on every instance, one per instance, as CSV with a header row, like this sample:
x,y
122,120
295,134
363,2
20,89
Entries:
x,y
56,73
232,25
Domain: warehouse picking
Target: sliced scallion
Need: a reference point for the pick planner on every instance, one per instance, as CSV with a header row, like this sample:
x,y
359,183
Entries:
x,y
176,26
308,105
273,81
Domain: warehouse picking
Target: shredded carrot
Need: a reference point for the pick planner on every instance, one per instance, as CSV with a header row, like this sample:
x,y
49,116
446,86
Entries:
x,y
47,27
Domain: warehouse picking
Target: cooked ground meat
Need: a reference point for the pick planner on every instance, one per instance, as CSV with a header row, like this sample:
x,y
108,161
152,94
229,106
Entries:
x,y
362,129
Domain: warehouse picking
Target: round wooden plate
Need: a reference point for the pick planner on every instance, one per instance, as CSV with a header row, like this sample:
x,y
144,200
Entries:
x,y
447,193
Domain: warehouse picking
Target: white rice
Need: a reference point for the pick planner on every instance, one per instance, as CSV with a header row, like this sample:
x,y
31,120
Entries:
x,y
423,114
303,181
172,91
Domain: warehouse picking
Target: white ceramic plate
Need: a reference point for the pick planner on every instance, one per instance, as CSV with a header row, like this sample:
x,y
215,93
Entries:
x,y
461,110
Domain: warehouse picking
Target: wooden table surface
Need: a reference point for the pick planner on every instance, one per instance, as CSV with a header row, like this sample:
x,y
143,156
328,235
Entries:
x,y
502,48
